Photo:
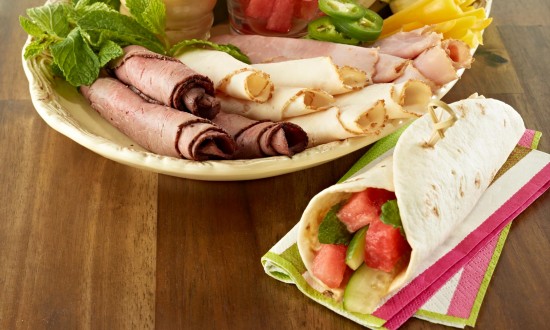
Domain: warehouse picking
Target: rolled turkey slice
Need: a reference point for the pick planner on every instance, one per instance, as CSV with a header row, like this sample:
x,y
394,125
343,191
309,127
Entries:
x,y
167,80
315,73
230,76
286,102
158,128
404,100
257,139
337,123
262,49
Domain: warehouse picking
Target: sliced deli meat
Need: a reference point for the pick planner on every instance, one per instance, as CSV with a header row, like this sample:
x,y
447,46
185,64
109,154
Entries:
x,y
286,102
262,49
315,72
230,76
158,128
167,80
257,139
409,44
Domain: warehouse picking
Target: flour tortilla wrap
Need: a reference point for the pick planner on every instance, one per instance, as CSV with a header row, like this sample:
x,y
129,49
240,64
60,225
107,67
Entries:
x,y
436,185
230,76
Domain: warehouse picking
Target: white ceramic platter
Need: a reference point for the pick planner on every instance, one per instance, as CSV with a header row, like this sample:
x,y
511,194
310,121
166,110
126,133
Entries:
x,y
66,111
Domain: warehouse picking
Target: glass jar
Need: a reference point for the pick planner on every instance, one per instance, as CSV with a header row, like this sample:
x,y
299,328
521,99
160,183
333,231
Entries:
x,y
288,18
186,19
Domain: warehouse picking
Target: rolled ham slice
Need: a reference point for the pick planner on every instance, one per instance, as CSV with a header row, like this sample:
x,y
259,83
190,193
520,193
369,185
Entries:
x,y
230,76
262,49
315,73
459,52
412,73
436,65
167,81
158,128
286,102
409,44
389,68
257,139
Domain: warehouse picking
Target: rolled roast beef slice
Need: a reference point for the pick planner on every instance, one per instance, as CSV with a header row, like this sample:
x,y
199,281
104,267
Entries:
x,y
168,81
262,138
158,128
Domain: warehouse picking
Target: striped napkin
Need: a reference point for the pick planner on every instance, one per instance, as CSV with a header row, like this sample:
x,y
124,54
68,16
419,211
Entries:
x,y
452,290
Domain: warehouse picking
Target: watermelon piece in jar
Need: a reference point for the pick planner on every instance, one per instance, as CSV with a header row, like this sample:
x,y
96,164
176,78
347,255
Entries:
x,y
259,9
306,9
363,207
281,17
384,246
329,265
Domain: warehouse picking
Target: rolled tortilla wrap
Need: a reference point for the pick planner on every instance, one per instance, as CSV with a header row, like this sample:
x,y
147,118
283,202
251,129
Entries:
x,y
286,102
436,187
257,139
167,80
158,128
230,76
315,73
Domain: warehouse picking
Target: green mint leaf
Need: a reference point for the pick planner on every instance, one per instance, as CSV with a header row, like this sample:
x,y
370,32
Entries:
x,y
197,43
390,215
113,4
119,28
151,14
75,58
332,230
57,71
30,27
52,18
37,46
108,51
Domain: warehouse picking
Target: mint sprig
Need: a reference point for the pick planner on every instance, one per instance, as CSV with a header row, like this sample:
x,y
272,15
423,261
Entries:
x,y
82,36
390,215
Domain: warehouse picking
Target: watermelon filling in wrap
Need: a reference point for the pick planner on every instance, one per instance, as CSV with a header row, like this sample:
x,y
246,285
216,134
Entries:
x,y
363,239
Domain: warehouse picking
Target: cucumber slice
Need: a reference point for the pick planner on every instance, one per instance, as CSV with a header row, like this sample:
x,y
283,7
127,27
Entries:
x,y
365,289
355,255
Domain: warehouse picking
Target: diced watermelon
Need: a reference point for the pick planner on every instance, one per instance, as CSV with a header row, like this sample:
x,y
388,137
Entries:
x,y
363,207
384,246
306,9
329,264
280,19
259,8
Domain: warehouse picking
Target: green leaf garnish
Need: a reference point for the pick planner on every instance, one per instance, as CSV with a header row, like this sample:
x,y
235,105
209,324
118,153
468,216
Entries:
x,y
390,215
332,230
82,36
75,58
197,43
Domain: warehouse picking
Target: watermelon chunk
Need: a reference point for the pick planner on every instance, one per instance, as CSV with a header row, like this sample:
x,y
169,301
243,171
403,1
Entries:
x,y
306,9
280,19
329,265
363,207
259,9
384,246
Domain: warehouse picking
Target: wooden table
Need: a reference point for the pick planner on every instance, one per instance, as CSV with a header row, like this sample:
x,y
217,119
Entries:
x,y
87,243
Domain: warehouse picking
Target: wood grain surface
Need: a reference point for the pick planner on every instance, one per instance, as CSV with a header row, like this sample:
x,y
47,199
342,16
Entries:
x,y
87,243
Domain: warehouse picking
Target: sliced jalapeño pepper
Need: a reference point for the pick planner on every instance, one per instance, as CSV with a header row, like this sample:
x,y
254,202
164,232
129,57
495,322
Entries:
x,y
345,9
366,28
324,29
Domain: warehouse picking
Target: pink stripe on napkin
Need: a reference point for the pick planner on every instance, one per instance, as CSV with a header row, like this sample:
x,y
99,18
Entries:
x,y
470,281
416,293
527,139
